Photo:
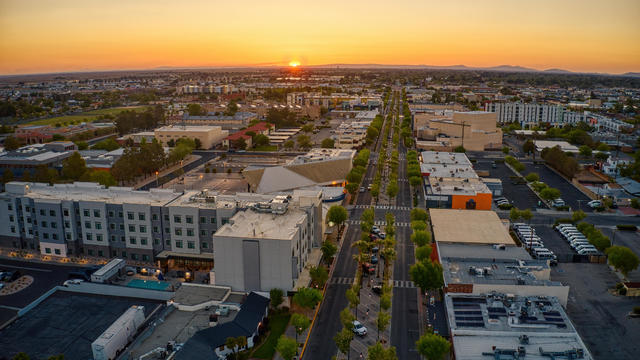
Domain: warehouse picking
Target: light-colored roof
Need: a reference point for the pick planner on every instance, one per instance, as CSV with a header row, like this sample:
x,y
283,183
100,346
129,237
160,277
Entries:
x,y
468,226
257,225
565,146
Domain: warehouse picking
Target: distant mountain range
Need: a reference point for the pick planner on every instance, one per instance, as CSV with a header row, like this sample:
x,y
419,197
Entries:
x,y
502,68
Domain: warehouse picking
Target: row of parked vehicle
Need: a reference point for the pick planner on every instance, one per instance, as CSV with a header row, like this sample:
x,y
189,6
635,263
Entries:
x,y
576,239
532,242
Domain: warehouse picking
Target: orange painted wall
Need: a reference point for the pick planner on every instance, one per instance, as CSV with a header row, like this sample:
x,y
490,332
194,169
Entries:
x,y
483,201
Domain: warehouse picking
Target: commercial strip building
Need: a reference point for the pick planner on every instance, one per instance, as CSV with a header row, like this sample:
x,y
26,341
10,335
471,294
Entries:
x,y
555,115
209,136
335,100
564,146
40,134
446,130
319,167
499,302
451,182
173,229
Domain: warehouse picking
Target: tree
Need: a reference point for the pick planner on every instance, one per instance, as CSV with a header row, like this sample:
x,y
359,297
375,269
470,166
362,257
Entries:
x,y
346,318
300,324
352,297
529,147
622,259
261,140
196,110
603,147
102,177
459,149
21,356
328,143
7,176
107,144
419,214
304,142
287,347
239,143
578,216
531,177
385,301
319,275
382,322
418,225
550,193
82,145
307,128
343,339
289,144
12,143
433,346
232,108
585,151
392,189
379,352
307,297
421,238
427,275
56,357
328,249
197,143
505,150
337,215
277,297
423,253
600,156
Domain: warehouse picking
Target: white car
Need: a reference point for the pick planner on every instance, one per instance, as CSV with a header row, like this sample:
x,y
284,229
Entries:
x,y
72,282
594,204
359,329
375,230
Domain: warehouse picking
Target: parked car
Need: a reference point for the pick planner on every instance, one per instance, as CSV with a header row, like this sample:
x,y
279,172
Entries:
x,y
359,329
374,259
375,249
382,235
368,268
594,204
72,282
558,203
375,229
377,289
362,189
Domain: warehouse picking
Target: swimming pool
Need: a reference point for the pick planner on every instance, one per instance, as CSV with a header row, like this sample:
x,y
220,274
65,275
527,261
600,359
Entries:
x,y
148,284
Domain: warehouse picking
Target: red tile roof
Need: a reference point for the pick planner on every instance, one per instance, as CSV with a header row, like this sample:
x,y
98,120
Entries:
x,y
259,127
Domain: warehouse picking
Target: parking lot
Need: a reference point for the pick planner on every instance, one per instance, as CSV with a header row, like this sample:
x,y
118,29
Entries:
x,y
553,241
519,195
65,323
569,193
600,317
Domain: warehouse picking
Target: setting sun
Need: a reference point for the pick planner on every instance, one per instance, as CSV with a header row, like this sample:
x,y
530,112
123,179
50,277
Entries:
x,y
294,64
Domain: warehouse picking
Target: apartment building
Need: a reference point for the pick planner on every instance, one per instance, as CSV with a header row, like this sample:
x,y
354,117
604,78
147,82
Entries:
x,y
85,219
556,115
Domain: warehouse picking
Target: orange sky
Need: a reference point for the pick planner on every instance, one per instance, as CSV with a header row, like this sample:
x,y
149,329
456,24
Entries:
x,y
75,35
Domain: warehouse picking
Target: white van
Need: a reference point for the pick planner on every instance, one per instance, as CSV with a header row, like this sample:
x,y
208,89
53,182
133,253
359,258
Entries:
x,y
573,237
588,252
545,256
532,244
540,250
583,247
565,226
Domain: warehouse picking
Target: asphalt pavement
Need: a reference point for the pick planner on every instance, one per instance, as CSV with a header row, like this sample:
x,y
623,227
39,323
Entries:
x,y
573,197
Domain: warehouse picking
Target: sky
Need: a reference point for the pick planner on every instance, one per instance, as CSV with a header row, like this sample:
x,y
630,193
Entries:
x,y
38,36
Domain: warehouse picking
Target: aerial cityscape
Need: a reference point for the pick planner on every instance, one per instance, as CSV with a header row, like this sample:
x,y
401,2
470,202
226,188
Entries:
x,y
319,180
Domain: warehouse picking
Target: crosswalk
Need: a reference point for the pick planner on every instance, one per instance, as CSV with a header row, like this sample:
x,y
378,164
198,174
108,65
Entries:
x,y
396,283
379,223
341,281
404,284
384,207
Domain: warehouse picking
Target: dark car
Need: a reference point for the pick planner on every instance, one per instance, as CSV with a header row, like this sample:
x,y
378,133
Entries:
x,y
374,259
377,289
80,274
368,268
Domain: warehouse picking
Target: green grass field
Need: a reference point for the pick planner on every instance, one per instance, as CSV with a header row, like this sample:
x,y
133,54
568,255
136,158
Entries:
x,y
89,116
265,148
277,325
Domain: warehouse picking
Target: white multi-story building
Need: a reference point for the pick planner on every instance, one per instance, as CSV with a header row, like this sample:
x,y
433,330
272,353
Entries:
x,y
556,115
267,245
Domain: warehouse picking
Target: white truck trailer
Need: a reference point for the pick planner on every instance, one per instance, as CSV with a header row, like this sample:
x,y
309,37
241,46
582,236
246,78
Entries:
x,y
109,270
113,340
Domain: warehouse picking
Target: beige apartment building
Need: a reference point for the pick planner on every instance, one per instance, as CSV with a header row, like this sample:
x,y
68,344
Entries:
x,y
209,136
445,129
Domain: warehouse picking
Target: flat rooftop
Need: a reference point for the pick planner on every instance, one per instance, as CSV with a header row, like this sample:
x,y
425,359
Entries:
x,y
188,128
461,171
323,155
252,224
456,186
508,324
84,191
194,294
498,272
468,226
66,323
473,251
441,157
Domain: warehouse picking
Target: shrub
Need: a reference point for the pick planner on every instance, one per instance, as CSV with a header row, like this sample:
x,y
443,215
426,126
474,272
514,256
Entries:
x,y
505,206
531,177
622,291
636,309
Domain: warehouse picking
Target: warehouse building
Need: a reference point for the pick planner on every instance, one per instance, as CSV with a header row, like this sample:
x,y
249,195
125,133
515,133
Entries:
x,y
208,136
